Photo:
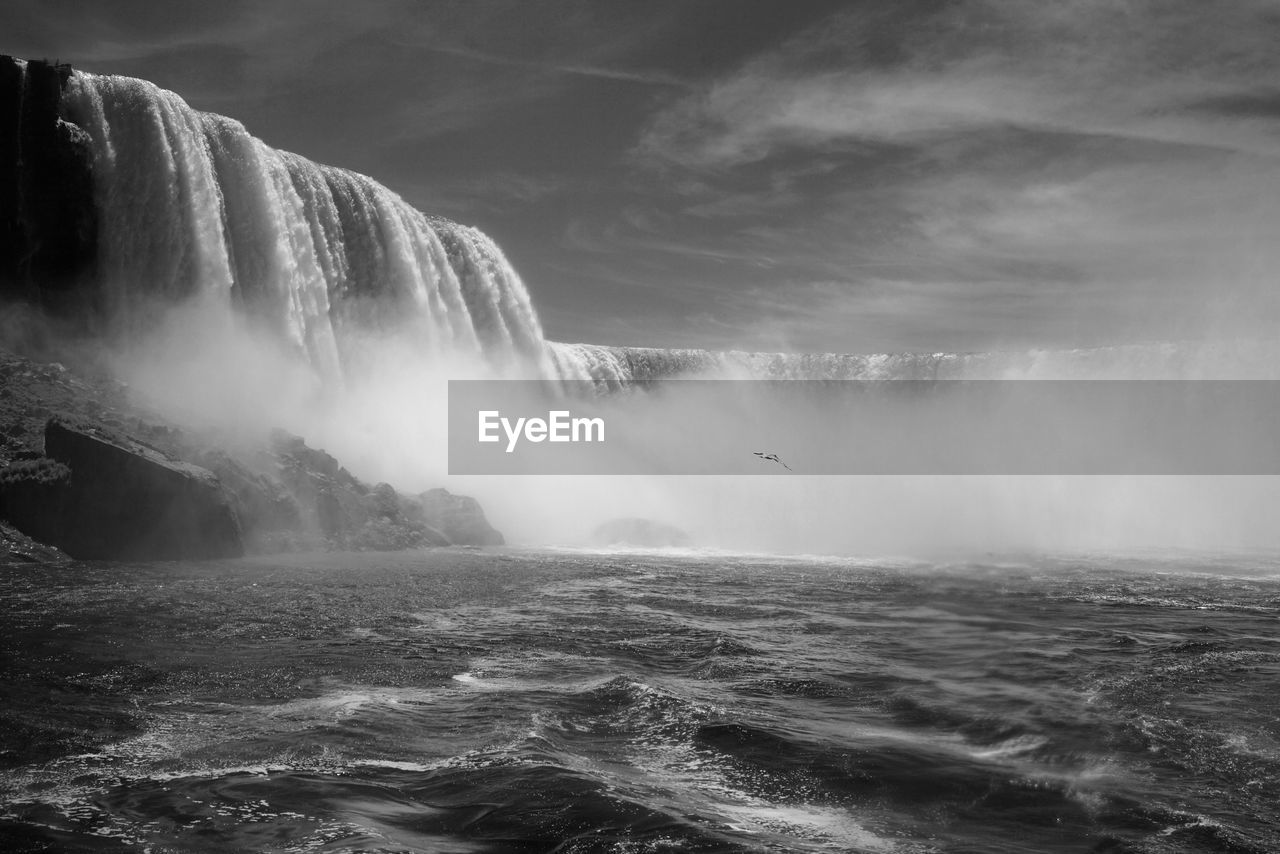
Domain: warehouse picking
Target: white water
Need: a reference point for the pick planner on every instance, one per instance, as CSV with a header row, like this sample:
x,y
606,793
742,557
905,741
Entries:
x,y
1249,358
195,209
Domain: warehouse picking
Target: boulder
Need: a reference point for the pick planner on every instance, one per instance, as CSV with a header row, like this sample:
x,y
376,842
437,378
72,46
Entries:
x,y
17,547
389,523
639,532
33,494
270,517
304,498
100,496
457,517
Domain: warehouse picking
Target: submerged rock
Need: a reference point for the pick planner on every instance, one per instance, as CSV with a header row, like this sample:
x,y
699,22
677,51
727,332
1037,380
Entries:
x,y
97,495
639,532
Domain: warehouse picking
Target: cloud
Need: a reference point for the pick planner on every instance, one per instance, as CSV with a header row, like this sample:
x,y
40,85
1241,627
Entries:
x,y
650,77
278,35
480,63
1260,103
1080,66
982,172
1137,251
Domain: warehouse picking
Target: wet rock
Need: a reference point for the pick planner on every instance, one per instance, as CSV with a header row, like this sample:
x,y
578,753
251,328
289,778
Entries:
x,y
458,517
97,495
48,219
17,547
336,510
286,495
270,518
33,497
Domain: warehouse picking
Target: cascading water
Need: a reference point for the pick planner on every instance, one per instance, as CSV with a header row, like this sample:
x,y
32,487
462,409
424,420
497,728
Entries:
x,y
193,207
1227,359
615,365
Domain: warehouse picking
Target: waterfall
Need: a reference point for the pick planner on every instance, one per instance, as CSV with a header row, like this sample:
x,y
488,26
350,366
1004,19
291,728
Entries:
x,y
193,207
1164,360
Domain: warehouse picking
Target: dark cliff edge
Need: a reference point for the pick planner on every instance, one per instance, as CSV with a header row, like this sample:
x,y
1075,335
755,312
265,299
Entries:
x,y
97,494
86,473
48,219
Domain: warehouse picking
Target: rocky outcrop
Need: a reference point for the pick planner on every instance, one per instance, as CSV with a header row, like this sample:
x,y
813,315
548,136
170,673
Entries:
x,y
639,532
17,547
458,517
33,496
98,495
287,495
341,509
270,517
48,220
293,497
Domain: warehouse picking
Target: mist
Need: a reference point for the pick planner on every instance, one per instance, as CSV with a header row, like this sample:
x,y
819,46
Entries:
x,y
210,369
273,292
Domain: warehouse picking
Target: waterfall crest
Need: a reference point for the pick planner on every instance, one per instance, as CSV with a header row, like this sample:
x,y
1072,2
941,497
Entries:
x,y
1165,360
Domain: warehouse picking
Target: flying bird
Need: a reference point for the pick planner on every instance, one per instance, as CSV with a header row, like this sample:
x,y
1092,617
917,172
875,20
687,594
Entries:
x,y
773,458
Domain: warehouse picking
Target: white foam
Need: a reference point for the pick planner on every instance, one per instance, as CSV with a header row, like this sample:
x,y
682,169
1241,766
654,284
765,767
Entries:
x,y
398,765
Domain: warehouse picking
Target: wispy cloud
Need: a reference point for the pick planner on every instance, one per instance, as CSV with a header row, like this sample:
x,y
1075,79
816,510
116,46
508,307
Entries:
x,y
990,170
262,45
1079,66
650,77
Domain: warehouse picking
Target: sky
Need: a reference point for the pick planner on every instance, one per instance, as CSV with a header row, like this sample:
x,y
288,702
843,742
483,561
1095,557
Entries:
x,y
794,175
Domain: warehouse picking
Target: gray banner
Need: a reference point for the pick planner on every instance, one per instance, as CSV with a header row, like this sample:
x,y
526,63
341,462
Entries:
x,y
695,427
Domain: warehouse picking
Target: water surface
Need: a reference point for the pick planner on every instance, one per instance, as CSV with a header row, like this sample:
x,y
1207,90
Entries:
x,y
514,701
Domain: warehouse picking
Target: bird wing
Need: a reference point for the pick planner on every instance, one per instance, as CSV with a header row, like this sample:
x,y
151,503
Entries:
x,y
773,458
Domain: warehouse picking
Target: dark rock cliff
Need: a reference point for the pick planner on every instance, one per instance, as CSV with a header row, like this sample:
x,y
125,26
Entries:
x,y
48,220
285,494
99,495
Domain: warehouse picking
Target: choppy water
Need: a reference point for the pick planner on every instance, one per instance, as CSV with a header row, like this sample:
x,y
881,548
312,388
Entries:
x,y
574,702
